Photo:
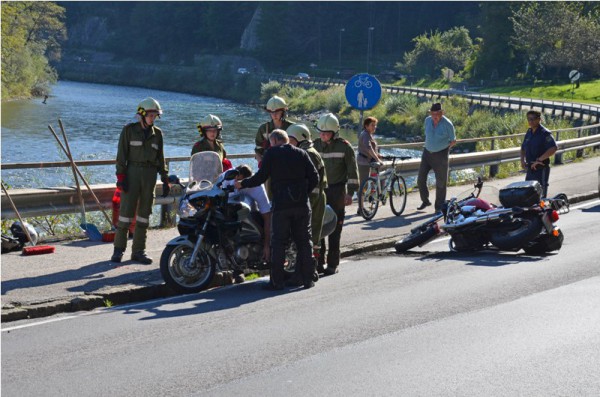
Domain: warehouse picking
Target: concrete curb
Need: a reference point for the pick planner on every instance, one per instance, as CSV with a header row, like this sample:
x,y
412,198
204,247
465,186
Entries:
x,y
134,293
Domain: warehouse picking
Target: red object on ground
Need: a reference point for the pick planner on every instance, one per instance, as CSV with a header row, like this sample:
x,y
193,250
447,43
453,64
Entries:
x,y
108,237
116,208
38,250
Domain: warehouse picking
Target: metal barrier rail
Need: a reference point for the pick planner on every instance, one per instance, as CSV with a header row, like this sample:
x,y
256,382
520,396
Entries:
x,y
572,108
64,200
85,163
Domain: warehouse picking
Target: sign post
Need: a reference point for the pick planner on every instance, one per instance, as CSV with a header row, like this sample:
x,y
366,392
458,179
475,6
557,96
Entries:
x,y
363,92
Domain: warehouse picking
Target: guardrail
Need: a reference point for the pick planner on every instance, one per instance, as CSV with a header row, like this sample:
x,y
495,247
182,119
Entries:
x,y
64,200
574,110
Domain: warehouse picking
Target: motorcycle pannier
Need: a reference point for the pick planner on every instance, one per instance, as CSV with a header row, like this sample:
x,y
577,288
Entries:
x,y
522,194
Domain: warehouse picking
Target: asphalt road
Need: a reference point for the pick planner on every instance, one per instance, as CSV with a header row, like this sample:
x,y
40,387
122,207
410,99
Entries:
x,y
427,323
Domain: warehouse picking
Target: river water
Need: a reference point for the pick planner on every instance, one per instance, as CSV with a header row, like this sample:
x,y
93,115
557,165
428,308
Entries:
x,y
93,116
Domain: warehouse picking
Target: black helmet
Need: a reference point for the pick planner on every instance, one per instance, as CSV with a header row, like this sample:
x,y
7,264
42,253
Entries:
x,y
17,231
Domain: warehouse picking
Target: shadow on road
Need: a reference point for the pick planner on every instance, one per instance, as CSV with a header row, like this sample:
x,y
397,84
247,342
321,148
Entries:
x,y
593,209
488,258
211,301
96,273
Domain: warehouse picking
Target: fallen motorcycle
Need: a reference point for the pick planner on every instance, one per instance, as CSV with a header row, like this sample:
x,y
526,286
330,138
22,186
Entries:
x,y
524,220
219,231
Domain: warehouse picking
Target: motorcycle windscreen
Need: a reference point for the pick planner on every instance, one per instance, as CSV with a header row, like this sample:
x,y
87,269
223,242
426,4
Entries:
x,y
205,166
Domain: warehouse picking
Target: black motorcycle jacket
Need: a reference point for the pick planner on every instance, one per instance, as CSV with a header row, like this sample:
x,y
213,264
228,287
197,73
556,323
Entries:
x,y
292,174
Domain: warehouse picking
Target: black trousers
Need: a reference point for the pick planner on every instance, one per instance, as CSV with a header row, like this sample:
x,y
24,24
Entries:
x,y
294,222
542,175
438,161
335,198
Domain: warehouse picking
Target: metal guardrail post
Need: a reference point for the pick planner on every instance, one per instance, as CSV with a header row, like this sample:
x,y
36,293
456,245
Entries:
x,y
579,152
493,168
558,156
166,210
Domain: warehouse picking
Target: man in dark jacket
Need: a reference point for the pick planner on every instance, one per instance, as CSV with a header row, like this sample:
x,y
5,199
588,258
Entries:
x,y
293,177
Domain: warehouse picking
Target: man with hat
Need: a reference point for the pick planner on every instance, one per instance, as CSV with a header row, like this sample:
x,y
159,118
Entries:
x,y
439,138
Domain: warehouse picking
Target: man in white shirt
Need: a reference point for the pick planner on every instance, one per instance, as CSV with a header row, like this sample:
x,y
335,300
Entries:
x,y
259,195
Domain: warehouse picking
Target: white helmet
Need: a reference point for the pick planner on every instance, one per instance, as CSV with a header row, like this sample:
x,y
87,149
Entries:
x,y
276,103
300,132
328,123
147,105
210,121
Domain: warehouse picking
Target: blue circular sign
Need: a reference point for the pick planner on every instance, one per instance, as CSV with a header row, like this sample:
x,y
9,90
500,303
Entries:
x,y
363,91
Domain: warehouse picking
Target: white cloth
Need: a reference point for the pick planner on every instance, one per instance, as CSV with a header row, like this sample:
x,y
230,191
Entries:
x,y
258,194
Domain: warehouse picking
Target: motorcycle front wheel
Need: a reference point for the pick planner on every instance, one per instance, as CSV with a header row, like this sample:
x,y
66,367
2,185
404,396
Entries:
x,y
181,274
418,238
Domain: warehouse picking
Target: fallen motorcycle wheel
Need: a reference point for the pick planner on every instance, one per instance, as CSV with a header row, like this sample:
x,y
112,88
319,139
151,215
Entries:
x,y
525,230
181,274
418,238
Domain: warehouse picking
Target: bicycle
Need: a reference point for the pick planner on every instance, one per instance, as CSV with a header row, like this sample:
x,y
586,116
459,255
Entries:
x,y
371,193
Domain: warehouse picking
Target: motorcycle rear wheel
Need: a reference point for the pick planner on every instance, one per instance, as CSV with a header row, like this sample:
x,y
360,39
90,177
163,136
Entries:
x,y
183,276
513,240
417,238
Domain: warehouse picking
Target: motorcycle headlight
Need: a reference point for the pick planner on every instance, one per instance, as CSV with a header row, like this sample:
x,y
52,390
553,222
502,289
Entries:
x,y
186,210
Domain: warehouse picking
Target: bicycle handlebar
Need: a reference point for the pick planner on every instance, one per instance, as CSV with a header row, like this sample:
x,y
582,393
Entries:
x,y
401,158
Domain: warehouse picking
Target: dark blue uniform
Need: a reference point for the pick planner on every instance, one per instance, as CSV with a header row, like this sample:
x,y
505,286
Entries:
x,y
535,145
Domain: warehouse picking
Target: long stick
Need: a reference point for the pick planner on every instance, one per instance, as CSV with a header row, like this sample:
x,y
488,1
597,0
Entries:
x,y
82,178
14,207
70,156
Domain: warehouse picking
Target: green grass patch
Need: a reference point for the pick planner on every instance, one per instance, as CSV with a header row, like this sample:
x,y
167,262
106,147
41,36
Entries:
x,y
588,92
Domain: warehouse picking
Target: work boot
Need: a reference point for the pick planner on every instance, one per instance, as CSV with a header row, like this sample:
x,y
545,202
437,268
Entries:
x,y
117,255
141,257
331,270
309,284
238,277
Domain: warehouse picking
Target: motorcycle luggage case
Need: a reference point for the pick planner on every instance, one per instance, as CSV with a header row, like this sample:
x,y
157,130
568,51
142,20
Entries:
x,y
522,194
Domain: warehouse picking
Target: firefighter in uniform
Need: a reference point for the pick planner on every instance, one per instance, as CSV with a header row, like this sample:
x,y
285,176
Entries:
x,y
342,180
210,137
277,108
300,136
140,157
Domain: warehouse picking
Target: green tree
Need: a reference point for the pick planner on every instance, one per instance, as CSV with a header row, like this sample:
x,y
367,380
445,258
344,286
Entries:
x,y
438,50
31,35
558,36
496,57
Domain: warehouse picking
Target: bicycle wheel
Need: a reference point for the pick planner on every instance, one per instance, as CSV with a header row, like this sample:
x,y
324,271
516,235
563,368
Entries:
x,y
398,195
367,198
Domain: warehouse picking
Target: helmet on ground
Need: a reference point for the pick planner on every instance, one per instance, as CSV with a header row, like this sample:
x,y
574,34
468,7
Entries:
x,y
148,105
210,121
300,132
17,230
328,123
276,103
329,221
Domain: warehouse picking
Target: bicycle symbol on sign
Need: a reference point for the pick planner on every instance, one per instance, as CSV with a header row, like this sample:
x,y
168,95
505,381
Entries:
x,y
363,81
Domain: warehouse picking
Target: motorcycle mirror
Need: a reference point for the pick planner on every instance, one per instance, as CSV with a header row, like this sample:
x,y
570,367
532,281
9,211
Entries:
x,y
174,180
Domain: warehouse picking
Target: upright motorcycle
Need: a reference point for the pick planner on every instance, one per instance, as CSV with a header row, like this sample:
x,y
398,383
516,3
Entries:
x,y
219,231
523,221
